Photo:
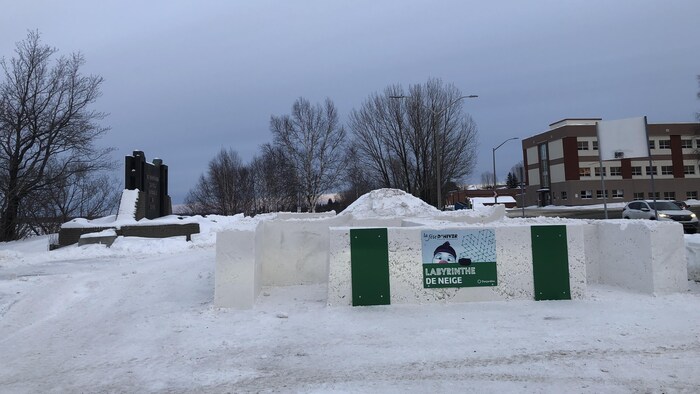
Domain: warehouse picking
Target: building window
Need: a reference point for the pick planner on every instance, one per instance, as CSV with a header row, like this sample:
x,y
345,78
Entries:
x,y
597,171
584,171
689,170
638,196
666,170
691,195
615,171
563,195
653,195
651,170
618,193
686,144
665,144
636,170
586,195
669,195
652,144
595,144
544,165
599,194
582,145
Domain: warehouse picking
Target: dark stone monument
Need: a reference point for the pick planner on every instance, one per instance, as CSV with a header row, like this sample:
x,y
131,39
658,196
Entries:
x,y
151,179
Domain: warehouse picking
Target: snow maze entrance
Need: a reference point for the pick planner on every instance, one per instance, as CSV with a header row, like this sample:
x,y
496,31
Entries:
x,y
494,258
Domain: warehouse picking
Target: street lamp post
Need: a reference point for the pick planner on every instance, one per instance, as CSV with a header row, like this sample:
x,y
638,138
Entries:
x,y
495,182
435,140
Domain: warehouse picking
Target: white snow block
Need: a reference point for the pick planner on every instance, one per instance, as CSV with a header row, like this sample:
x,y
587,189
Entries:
x,y
294,252
692,250
642,256
513,258
591,250
578,274
237,275
339,275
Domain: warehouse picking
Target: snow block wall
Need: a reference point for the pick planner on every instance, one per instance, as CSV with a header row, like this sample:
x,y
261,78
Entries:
x,y
692,250
293,249
237,273
645,256
637,255
513,258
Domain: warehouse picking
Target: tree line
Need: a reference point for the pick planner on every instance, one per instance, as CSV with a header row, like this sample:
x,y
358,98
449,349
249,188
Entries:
x,y
397,138
52,170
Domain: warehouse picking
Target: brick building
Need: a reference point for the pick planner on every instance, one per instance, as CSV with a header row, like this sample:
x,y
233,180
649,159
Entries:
x,y
562,166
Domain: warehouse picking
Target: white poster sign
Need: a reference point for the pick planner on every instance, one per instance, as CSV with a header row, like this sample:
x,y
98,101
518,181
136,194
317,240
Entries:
x,y
623,138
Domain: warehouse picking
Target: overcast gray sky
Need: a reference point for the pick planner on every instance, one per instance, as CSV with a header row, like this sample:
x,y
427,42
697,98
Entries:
x,y
186,78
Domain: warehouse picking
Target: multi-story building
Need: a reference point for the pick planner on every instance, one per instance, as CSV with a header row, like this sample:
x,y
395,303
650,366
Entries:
x,y
562,166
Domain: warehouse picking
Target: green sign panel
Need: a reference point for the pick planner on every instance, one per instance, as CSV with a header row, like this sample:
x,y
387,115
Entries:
x,y
550,263
369,266
459,258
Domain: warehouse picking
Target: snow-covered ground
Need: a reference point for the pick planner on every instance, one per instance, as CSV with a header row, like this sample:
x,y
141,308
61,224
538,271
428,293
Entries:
x,y
139,317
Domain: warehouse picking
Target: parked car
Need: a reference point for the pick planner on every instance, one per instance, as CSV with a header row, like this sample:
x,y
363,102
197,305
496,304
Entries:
x,y
665,210
681,204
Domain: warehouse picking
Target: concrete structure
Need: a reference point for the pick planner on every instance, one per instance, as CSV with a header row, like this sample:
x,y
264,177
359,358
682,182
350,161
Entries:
x,y
562,166
151,180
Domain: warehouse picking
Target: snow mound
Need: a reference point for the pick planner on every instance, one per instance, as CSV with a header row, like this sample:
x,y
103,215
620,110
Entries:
x,y
389,203
127,205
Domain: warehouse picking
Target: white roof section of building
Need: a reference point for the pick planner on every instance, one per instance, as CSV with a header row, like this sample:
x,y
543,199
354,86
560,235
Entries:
x,y
575,122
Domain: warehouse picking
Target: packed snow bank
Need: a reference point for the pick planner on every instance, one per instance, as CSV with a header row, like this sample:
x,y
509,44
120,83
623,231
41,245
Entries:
x,y
127,205
389,203
36,250
481,201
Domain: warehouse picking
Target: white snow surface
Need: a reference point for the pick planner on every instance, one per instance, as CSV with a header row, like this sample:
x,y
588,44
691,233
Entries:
x,y
480,201
139,317
127,205
389,203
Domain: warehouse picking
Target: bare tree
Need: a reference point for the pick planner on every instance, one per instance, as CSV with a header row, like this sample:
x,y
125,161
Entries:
x,y
357,178
518,171
225,189
45,123
82,194
405,142
313,142
275,180
487,180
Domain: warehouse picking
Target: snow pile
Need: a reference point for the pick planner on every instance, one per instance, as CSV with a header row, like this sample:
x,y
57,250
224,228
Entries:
x,y
104,233
389,203
481,201
36,250
127,205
